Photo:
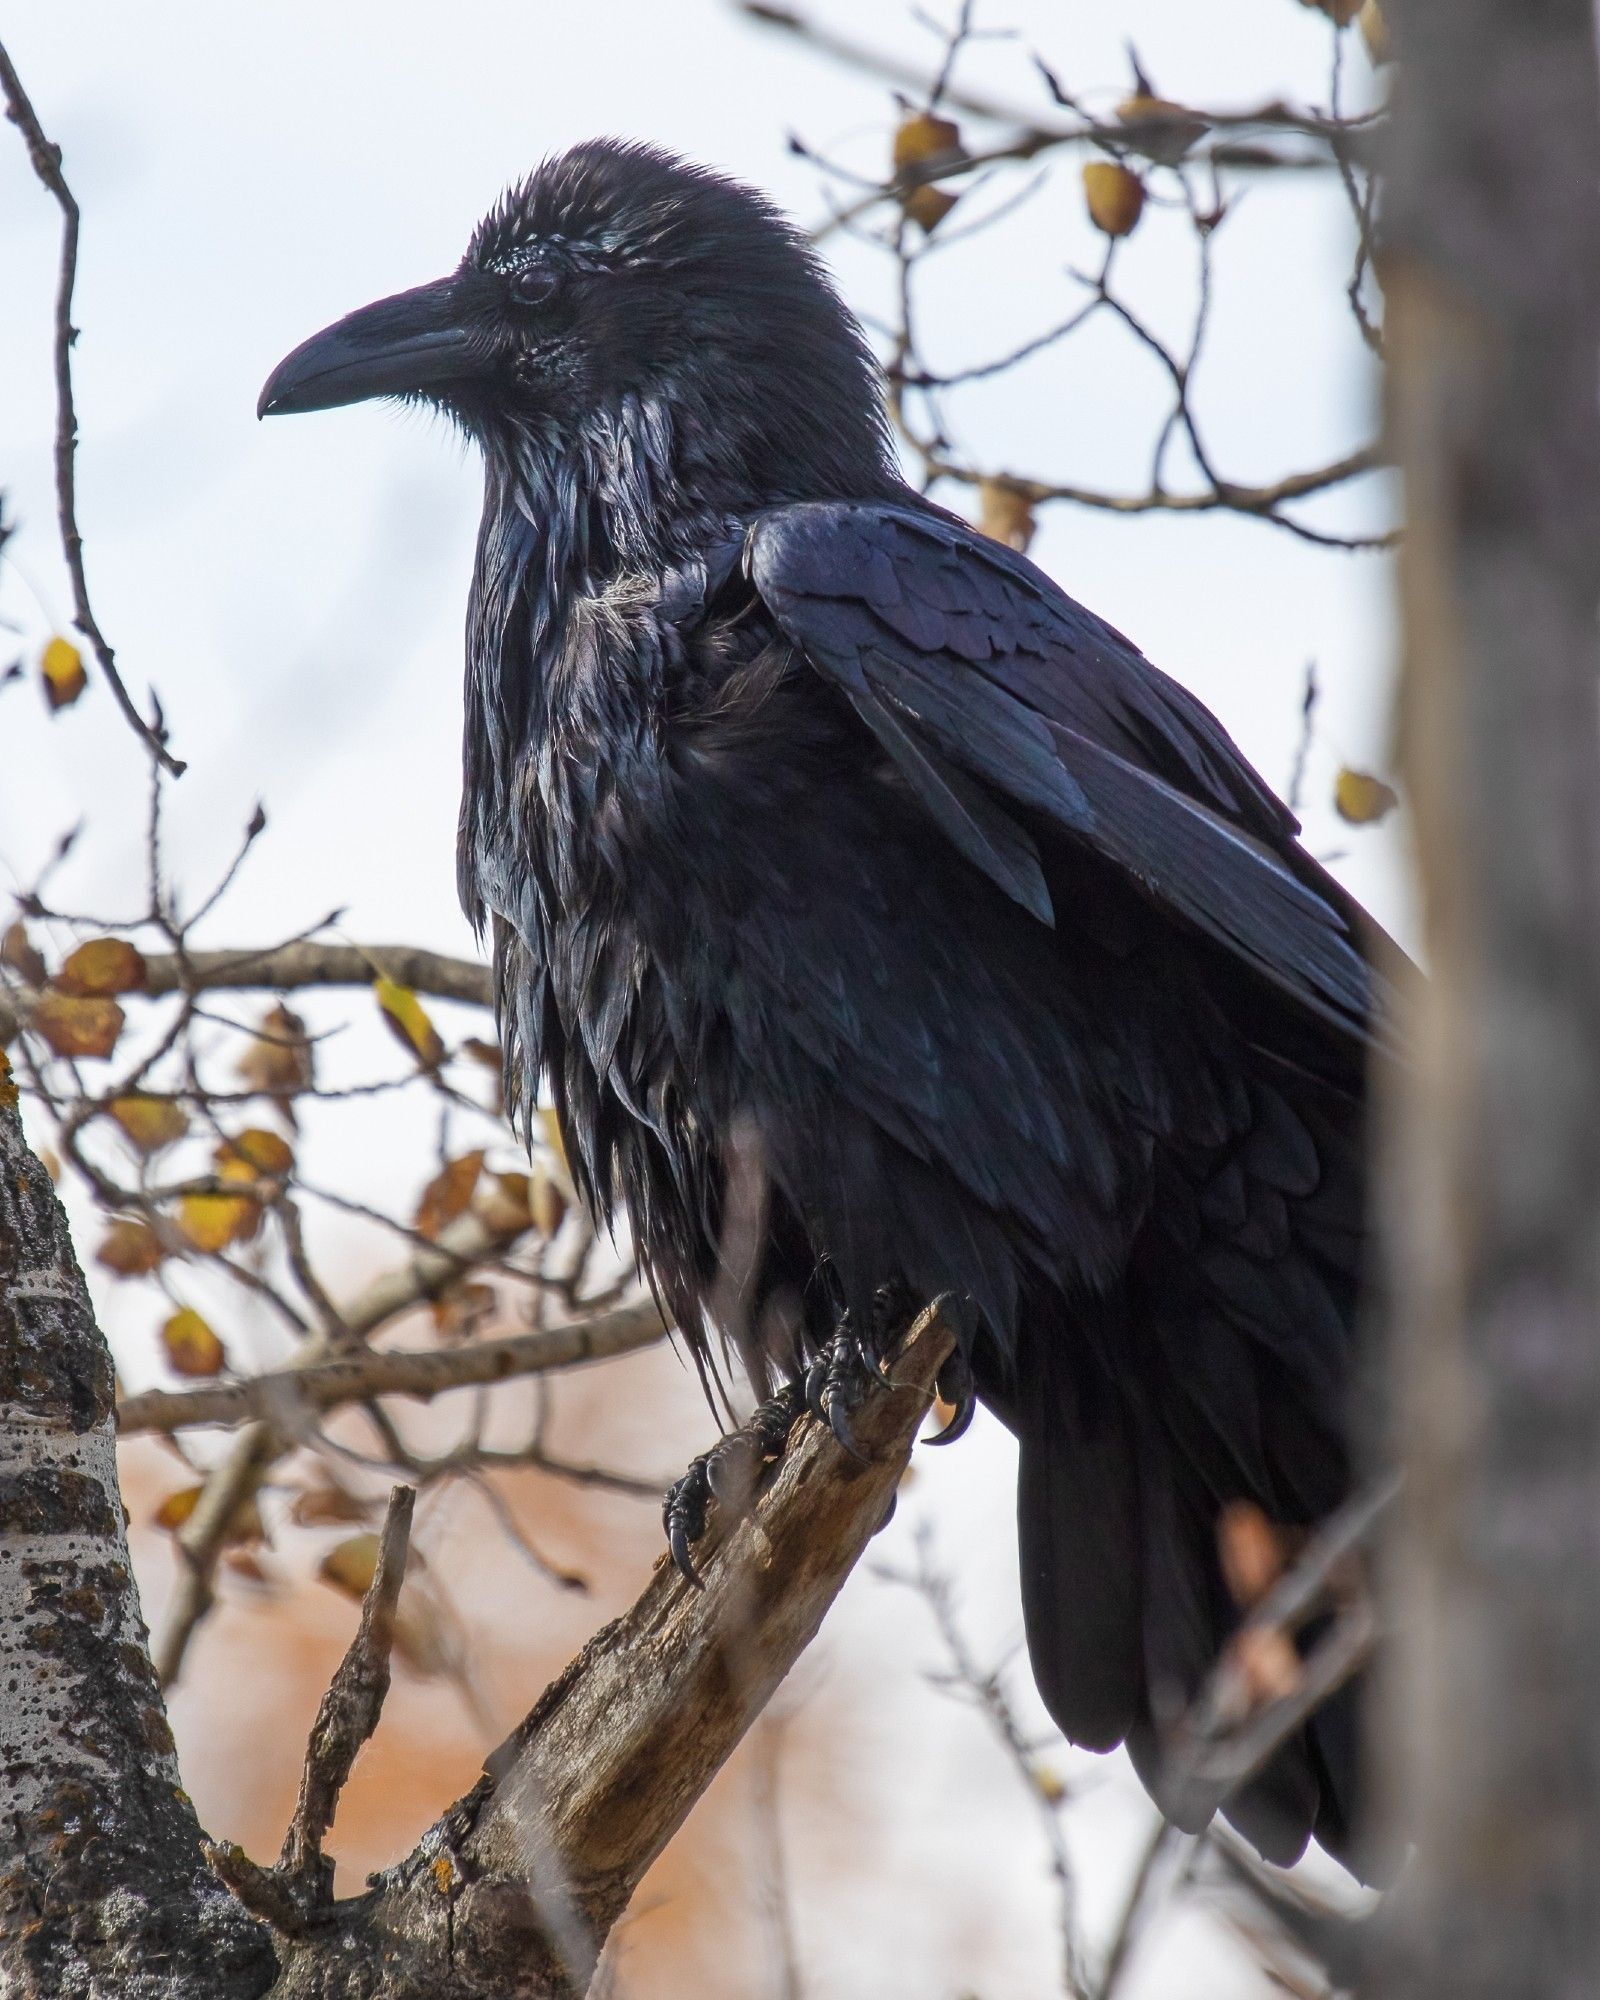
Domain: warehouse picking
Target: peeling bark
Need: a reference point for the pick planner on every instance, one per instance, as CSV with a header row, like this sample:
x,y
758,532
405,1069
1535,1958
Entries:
x,y
103,1888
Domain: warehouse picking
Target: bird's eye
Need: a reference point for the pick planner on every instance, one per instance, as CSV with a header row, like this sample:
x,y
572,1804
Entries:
x,y
533,284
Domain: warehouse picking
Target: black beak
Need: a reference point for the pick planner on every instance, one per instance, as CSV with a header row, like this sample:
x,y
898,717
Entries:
x,y
412,342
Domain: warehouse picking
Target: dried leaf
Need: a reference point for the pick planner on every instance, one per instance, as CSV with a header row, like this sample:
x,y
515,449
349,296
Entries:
x,y
150,1122
1048,1783
102,967
77,1027
459,1312
210,1222
257,1151
130,1248
192,1348
408,1021
547,1205
1375,33
1004,514
923,139
18,955
928,206
487,1053
246,1525
280,1061
1161,130
1361,799
505,1205
1340,12
350,1565
1115,196
446,1196
554,1140
61,673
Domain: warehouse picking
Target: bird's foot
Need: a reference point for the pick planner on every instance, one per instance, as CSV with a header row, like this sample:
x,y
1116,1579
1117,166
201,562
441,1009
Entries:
x,y
957,1390
837,1383
727,1473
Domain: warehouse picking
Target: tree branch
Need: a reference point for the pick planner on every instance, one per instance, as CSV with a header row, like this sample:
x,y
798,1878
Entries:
x,y
288,1395
513,1891
45,158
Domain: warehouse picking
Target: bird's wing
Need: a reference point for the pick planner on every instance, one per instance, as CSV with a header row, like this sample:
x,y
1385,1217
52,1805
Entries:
x,y
1016,715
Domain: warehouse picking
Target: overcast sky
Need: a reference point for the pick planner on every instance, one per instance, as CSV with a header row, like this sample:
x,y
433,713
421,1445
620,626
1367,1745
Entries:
x,y
296,589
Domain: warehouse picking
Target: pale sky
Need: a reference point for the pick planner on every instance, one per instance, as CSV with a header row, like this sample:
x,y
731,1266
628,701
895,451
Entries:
x,y
296,590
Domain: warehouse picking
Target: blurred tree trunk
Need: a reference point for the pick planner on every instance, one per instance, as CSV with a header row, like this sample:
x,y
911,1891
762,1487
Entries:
x,y
1492,1738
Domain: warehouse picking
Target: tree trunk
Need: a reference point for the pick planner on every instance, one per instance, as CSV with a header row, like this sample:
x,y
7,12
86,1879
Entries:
x,y
103,1888
1492,1197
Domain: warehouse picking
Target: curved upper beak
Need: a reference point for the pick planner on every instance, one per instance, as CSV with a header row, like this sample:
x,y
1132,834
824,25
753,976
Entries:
x,y
412,342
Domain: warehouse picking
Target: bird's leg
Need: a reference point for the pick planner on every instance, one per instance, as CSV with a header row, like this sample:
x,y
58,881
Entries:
x,y
727,1473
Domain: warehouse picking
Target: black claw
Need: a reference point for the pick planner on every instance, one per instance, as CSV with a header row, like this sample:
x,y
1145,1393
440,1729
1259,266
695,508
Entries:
x,y
683,1561
838,1416
956,1386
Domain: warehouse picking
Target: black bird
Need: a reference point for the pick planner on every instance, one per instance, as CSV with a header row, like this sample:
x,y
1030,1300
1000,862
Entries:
x,y
797,809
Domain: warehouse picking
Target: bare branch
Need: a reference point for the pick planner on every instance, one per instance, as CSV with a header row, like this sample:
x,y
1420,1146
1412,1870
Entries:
x,y
288,1395
45,158
349,1711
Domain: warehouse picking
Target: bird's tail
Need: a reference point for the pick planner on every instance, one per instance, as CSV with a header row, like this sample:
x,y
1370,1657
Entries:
x,y
1125,1603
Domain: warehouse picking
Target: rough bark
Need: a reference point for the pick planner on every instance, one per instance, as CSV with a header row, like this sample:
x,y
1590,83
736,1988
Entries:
x,y
103,1887
1492,1738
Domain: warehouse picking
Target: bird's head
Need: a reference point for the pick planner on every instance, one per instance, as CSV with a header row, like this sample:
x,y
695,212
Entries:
x,y
619,284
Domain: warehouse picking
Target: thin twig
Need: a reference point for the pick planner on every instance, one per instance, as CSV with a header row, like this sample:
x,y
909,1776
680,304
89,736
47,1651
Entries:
x,y
45,157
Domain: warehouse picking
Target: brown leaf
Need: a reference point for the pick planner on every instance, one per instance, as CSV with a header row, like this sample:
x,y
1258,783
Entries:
x,y
192,1348
446,1196
150,1122
257,1151
547,1205
1361,799
1115,197
487,1053
130,1248
1340,12
928,206
408,1021
459,1312
1375,33
279,1061
1004,514
61,673
18,955
102,967
1161,130
77,1027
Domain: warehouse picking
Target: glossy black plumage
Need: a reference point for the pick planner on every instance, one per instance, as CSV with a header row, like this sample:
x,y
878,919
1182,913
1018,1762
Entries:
x,y
794,807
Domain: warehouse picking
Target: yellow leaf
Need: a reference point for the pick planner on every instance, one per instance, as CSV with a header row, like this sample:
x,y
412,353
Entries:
x,y
408,1021
150,1122
130,1248
280,1061
258,1151
1375,33
460,1311
328,1506
506,1204
1004,514
1115,197
1048,1783
61,673
554,1140
1361,799
923,139
101,967
350,1565
245,1526
192,1348
548,1206
447,1194
75,1027
210,1222
1158,128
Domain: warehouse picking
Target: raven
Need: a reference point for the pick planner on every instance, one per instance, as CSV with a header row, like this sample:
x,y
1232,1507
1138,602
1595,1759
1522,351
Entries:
x,y
798,810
